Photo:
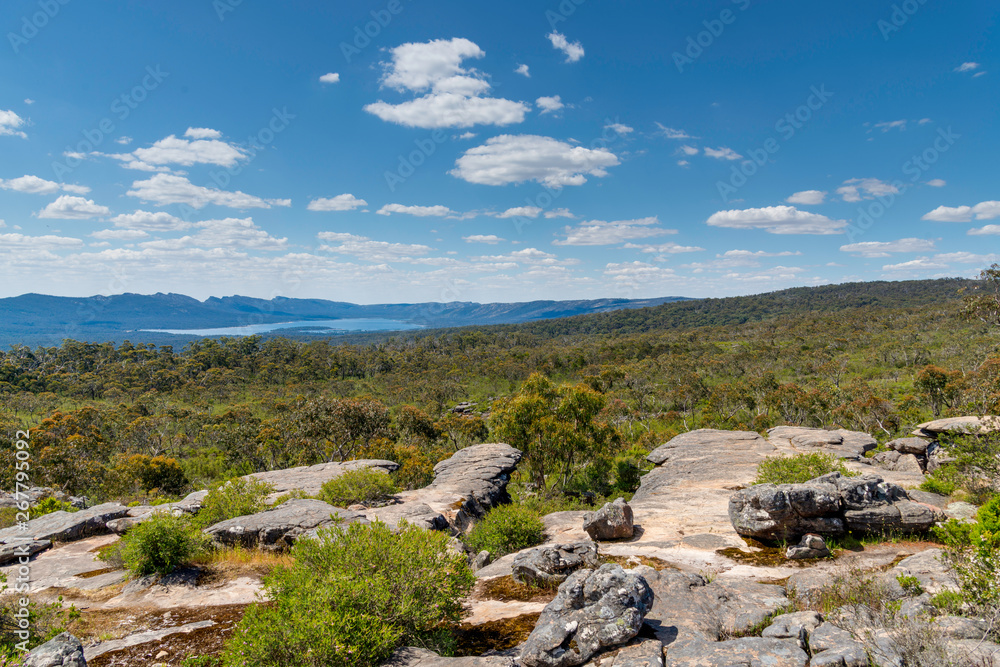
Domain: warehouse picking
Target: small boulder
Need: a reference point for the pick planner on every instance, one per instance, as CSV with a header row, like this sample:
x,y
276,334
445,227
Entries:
x,y
967,425
63,650
611,522
593,610
551,565
811,546
916,446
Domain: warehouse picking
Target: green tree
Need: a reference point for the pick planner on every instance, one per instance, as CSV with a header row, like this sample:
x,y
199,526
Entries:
x,y
982,300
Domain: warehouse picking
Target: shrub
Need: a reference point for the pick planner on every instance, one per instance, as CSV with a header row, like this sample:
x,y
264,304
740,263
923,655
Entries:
x,y
352,596
50,505
506,529
973,549
161,544
799,468
239,496
365,485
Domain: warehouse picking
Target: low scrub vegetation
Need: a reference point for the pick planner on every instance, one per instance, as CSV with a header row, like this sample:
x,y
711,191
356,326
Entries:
x,y
799,468
237,497
506,529
159,545
365,485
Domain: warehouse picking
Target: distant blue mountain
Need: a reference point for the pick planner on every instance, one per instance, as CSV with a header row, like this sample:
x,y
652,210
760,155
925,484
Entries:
x,y
38,319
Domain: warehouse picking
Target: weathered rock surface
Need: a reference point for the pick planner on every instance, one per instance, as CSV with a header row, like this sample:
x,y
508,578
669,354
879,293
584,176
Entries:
x,y
310,479
827,505
13,550
969,424
551,565
810,546
843,443
279,527
63,650
796,625
36,493
64,526
917,446
593,610
930,568
898,461
412,656
614,521
748,652
834,647
640,652
416,513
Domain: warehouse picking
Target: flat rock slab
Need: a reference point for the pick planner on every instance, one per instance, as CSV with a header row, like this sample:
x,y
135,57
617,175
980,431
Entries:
x,y
145,637
278,528
63,650
745,652
930,568
411,656
415,513
841,443
189,504
62,566
969,424
66,526
310,479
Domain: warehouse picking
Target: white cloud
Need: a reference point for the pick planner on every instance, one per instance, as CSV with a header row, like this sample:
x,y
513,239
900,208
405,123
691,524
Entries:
x,y
807,197
454,93
891,125
683,163
330,77
572,50
160,221
663,248
856,189
39,186
467,135
619,128
163,189
9,122
366,249
520,212
967,258
914,265
15,241
523,70
884,248
986,210
202,133
722,153
67,207
29,101
757,254
483,238
124,141
344,202
937,183
120,234
517,158
599,232
967,67
672,133
549,104
232,233
988,230
688,150
419,211
777,220
633,273
559,213
175,150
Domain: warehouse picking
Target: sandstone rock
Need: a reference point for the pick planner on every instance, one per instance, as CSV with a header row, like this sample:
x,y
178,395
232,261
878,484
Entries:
x,y
835,647
748,652
418,514
797,625
14,550
843,443
898,461
928,498
412,656
811,546
916,446
937,456
929,568
642,652
66,526
961,511
310,479
593,610
702,437
480,560
551,565
279,527
969,424
611,522
480,473
63,650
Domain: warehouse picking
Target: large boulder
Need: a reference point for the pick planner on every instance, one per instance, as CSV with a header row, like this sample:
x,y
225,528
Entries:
x,y
681,446
898,461
37,534
828,505
479,473
593,610
310,479
551,565
612,522
969,424
842,443
63,650
916,446
279,527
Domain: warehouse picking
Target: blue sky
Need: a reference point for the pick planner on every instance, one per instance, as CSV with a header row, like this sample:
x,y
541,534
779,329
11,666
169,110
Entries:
x,y
401,150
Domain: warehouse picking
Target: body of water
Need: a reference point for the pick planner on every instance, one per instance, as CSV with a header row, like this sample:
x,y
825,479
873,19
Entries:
x,y
303,326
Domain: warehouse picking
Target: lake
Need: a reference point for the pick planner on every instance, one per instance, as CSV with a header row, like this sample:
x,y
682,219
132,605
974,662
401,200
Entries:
x,y
302,326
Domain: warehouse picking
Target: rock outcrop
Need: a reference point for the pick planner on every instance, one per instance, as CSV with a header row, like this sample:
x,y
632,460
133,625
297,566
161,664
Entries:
x,y
842,443
811,546
63,650
310,479
828,505
38,534
279,527
551,565
969,424
613,521
593,610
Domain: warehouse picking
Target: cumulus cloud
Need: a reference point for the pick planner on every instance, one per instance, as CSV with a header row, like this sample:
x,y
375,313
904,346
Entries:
x,y
757,254
330,77
163,189
523,71
672,133
39,186
14,241
419,211
187,152
777,220
454,94
147,221
549,104
521,212
663,248
572,50
986,210
9,124
518,158
884,248
988,230
233,233
120,234
722,153
366,249
916,265
807,197
688,150
483,238
619,128
937,183
559,213
67,207
202,133
344,202
856,189
599,232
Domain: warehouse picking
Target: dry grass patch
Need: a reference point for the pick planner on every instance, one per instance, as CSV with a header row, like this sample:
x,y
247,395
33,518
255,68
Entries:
x,y
223,565
506,589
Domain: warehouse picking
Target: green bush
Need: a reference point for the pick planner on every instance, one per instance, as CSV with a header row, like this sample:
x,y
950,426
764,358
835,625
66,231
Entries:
x,y
799,468
943,481
506,529
973,549
160,544
364,485
353,595
50,505
237,497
